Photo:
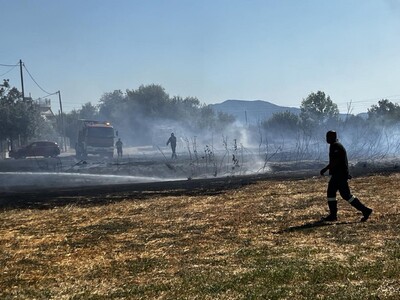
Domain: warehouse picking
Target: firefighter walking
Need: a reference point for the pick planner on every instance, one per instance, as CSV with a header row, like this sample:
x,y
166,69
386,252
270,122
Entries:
x,y
172,141
339,170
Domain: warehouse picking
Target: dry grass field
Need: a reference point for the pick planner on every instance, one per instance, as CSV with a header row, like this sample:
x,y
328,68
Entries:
x,y
258,241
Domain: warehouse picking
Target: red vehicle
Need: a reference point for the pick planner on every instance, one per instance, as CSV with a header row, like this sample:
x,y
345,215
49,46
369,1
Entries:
x,y
95,137
41,148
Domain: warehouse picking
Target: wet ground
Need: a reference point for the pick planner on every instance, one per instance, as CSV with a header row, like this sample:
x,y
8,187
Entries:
x,y
152,171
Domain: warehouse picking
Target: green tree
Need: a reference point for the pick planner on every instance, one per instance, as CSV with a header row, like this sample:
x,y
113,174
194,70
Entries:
x,y
283,122
88,111
183,108
224,120
112,105
150,101
354,122
71,124
385,112
4,87
318,110
19,118
206,118
136,113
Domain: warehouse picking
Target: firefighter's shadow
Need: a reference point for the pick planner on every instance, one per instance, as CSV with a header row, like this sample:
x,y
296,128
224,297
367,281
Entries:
x,y
312,225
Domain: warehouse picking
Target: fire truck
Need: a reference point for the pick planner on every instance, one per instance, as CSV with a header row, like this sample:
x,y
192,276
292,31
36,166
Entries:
x,y
95,137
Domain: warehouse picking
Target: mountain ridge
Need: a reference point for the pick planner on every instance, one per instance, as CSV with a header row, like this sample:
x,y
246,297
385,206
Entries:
x,y
251,111
255,111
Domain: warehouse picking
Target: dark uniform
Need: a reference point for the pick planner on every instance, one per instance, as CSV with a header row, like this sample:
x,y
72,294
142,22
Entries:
x,y
339,170
118,144
172,141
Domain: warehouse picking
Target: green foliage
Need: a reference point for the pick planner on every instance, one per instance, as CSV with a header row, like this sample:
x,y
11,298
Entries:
x,y
88,111
71,125
4,86
143,108
111,104
224,120
318,110
18,117
285,122
150,101
139,111
385,112
355,121
181,108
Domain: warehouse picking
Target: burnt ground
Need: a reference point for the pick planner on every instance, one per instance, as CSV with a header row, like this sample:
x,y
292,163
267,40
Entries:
x,y
170,178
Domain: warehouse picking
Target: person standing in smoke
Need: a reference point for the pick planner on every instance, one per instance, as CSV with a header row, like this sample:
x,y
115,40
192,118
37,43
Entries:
x,y
172,141
119,144
339,170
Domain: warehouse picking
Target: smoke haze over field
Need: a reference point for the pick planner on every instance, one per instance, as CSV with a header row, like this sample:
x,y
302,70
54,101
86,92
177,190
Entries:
x,y
235,152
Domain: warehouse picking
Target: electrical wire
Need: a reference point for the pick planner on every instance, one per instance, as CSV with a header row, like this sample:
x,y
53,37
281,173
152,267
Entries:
x,y
12,68
30,75
47,95
4,65
8,71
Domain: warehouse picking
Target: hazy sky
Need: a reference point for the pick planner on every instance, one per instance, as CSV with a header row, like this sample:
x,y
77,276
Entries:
x,y
279,51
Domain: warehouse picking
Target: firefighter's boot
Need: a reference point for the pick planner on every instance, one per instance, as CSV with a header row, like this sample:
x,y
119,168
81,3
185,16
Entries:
x,y
361,207
332,212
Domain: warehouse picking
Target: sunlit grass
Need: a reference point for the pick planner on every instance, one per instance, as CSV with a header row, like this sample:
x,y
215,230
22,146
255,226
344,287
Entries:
x,y
257,242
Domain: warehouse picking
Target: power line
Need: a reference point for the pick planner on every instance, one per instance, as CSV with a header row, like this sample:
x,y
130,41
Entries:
x,y
47,95
371,99
8,71
30,75
4,65
12,68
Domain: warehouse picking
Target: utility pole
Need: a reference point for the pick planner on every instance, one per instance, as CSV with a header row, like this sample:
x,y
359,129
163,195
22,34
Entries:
x,y
22,79
62,121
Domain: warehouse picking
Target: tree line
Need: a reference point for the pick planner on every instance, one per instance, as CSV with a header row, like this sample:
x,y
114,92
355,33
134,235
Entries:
x,y
318,113
20,119
375,135
138,112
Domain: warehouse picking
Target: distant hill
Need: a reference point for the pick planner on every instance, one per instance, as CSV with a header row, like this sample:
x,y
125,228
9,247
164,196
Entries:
x,y
253,110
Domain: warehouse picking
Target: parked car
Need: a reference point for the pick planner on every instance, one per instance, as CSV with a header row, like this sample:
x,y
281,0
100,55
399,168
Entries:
x,y
43,148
